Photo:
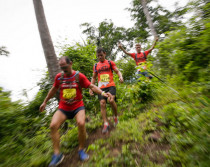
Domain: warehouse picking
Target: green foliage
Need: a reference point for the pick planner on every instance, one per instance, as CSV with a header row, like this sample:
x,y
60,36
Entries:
x,y
83,57
177,108
186,51
23,131
184,120
95,121
183,125
144,91
70,140
106,35
127,68
163,19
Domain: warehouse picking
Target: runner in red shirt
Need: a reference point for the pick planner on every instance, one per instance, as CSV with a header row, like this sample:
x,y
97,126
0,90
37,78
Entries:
x,y
140,57
104,71
70,84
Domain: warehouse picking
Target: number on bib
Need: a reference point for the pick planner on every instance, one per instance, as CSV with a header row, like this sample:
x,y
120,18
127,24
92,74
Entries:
x,y
69,93
104,78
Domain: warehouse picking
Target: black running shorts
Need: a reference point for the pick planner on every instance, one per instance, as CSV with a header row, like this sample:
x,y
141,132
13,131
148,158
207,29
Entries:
x,y
111,90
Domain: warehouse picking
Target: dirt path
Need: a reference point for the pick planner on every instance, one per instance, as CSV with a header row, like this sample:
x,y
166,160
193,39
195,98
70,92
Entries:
x,y
72,159
151,149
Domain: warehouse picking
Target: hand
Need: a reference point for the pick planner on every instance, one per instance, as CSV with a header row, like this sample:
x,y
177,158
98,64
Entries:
x,y
91,92
119,45
42,107
110,96
121,79
106,94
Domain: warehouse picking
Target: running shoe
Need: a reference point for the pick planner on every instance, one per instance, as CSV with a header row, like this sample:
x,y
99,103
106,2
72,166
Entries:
x,y
56,160
115,121
105,128
83,156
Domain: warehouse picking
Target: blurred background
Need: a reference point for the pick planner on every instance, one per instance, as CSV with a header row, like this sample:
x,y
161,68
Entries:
x,y
173,106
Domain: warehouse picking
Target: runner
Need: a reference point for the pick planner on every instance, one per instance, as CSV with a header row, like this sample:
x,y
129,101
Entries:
x,y
104,71
140,57
69,84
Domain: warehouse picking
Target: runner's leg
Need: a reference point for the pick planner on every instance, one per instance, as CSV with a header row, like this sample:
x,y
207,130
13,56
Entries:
x,y
113,105
57,120
103,110
80,118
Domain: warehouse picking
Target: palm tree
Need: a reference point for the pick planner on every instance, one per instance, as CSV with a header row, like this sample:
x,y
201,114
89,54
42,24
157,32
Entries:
x,y
46,40
149,20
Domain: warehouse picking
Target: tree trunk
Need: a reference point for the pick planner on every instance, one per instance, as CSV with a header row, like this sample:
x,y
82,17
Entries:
x,y
149,20
46,40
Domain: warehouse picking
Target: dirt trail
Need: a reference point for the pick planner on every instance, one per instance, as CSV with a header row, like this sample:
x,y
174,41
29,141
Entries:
x,y
72,159
151,149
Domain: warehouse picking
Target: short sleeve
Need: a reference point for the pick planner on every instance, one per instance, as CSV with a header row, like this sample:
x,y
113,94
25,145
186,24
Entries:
x,y
94,68
113,65
146,52
83,81
133,55
56,81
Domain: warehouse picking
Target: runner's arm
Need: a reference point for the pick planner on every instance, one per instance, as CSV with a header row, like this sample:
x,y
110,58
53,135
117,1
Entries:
x,y
154,43
119,74
93,80
50,94
120,46
97,90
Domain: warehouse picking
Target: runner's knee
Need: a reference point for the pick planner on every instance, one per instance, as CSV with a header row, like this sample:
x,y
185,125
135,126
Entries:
x,y
81,123
54,126
103,103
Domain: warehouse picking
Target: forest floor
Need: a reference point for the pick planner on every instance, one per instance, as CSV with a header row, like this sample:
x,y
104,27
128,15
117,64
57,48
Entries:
x,y
150,148
72,159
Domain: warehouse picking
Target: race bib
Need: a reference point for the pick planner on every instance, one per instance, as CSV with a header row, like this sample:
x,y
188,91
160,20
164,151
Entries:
x,y
104,77
69,93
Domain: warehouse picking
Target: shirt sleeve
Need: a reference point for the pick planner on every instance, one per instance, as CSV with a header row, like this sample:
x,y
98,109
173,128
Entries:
x,y
113,65
146,52
83,81
94,70
56,81
133,55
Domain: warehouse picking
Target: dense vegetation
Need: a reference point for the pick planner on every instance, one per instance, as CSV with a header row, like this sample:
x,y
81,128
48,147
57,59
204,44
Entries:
x,y
163,121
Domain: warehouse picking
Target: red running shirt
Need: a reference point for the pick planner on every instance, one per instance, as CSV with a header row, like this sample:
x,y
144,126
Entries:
x,y
105,75
140,57
70,93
